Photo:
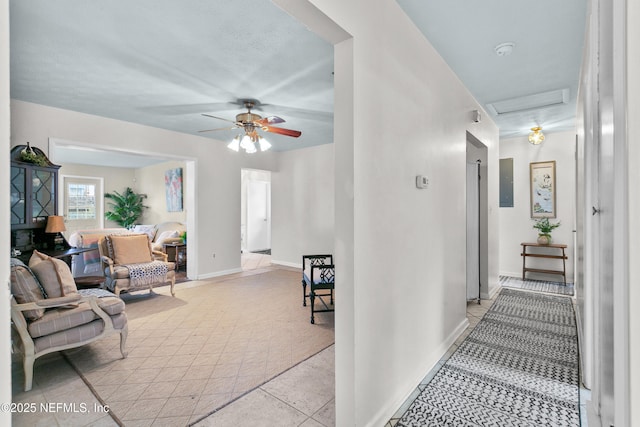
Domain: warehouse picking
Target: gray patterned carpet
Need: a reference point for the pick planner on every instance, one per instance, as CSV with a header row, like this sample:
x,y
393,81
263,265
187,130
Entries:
x,y
519,367
537,285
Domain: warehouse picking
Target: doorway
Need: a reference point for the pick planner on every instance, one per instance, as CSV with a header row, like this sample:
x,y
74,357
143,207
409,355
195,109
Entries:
x,y
477,216
255,221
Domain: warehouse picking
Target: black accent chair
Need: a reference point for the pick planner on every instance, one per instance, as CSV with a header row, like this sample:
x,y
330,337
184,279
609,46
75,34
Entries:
x,y
318,273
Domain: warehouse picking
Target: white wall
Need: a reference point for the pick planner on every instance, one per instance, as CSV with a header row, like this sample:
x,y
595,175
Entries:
x,y
217,172
633,136
408,286
516,225
150,181
302,205
5,340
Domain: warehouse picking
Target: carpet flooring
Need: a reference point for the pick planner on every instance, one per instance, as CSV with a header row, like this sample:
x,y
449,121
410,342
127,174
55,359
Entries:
x,y
195,353
519,367
537,285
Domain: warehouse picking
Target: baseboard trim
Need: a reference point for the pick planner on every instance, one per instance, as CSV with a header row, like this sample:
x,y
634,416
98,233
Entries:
x,y
219,273
287,264
388,411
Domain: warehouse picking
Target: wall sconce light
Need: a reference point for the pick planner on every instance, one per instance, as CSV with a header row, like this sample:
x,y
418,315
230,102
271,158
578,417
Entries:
x,y
536,137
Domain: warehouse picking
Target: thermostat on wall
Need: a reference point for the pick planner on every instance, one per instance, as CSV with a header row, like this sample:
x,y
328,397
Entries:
x,y
422,181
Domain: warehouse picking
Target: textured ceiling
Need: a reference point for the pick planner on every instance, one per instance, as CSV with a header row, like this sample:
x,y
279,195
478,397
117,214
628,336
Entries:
x,y
548,37
163,63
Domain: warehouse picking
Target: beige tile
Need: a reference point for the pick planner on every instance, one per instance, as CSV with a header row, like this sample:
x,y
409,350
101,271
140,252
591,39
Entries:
x,y
198,372
327,414
144,409
310,422
159,390
258,408
246,383
220,385
191,387
172,373
211,402
142,375
307,387
178,406
128,392
226,370
171,422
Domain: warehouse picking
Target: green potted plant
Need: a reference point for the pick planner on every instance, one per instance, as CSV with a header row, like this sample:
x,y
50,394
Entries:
x,y
545,228
126,208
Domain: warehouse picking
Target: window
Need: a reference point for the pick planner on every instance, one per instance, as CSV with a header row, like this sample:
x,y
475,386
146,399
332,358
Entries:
x,y
81,201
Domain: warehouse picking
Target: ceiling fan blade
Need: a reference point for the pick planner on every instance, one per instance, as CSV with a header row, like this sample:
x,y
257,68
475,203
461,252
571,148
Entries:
x,y
270,120
282,131
211,130
219,118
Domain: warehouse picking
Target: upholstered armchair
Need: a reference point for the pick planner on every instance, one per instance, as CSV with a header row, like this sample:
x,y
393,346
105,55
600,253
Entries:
x,y
130,264
49,314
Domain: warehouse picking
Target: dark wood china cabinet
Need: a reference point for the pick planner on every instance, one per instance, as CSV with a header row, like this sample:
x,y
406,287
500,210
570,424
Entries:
x,y
33,197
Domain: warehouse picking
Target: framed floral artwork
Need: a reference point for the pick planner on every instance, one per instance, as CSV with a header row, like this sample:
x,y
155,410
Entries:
x,y
542,177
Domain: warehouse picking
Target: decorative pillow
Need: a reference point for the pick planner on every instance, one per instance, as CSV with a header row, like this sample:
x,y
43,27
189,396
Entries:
x,y
131,249
149,230
165,235
53,274
25,288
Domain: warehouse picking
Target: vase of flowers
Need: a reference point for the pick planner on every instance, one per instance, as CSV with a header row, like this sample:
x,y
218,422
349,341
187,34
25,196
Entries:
x,y
545,228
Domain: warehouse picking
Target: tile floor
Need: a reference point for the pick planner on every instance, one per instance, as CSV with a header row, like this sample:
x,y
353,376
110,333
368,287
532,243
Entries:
x,y
149,388
301,396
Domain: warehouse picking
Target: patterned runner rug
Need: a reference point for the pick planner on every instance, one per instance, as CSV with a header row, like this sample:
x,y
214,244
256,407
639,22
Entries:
x,y
519,367
537,285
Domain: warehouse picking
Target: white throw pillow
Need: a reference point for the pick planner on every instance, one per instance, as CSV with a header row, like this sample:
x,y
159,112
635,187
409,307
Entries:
x,y
170,234
149,230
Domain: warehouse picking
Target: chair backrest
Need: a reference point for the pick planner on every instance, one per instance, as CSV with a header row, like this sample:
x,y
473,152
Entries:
x,y
318,268
126,249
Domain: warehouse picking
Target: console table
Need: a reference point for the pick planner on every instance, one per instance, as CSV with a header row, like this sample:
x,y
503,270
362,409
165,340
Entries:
x,y
554,246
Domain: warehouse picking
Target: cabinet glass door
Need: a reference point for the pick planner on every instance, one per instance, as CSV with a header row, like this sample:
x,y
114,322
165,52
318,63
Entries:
x,y
18,199
43,195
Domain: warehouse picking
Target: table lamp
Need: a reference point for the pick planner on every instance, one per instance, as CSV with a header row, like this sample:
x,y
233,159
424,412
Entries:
x,y
55,225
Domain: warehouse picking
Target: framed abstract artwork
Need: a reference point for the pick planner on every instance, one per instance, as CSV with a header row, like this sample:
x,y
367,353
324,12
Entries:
x,y
543,189
173,187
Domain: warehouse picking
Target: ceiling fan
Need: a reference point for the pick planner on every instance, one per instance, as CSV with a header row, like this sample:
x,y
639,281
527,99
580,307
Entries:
x,y
251,123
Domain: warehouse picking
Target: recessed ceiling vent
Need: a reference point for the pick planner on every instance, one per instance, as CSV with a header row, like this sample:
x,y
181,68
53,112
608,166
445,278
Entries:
x,y
529,102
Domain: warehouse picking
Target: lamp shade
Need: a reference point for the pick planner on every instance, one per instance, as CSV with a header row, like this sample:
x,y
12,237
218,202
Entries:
x,y
55,224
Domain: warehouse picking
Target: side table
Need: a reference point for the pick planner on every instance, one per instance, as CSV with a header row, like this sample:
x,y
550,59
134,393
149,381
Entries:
x,y
176,252
87,282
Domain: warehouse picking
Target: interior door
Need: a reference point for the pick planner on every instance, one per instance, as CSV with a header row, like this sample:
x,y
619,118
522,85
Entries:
x,y
258,216
82,203
473,231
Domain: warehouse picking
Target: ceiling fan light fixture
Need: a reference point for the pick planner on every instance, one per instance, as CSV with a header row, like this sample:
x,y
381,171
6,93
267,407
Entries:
x,y
264,144
536,137
235,144
246,143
